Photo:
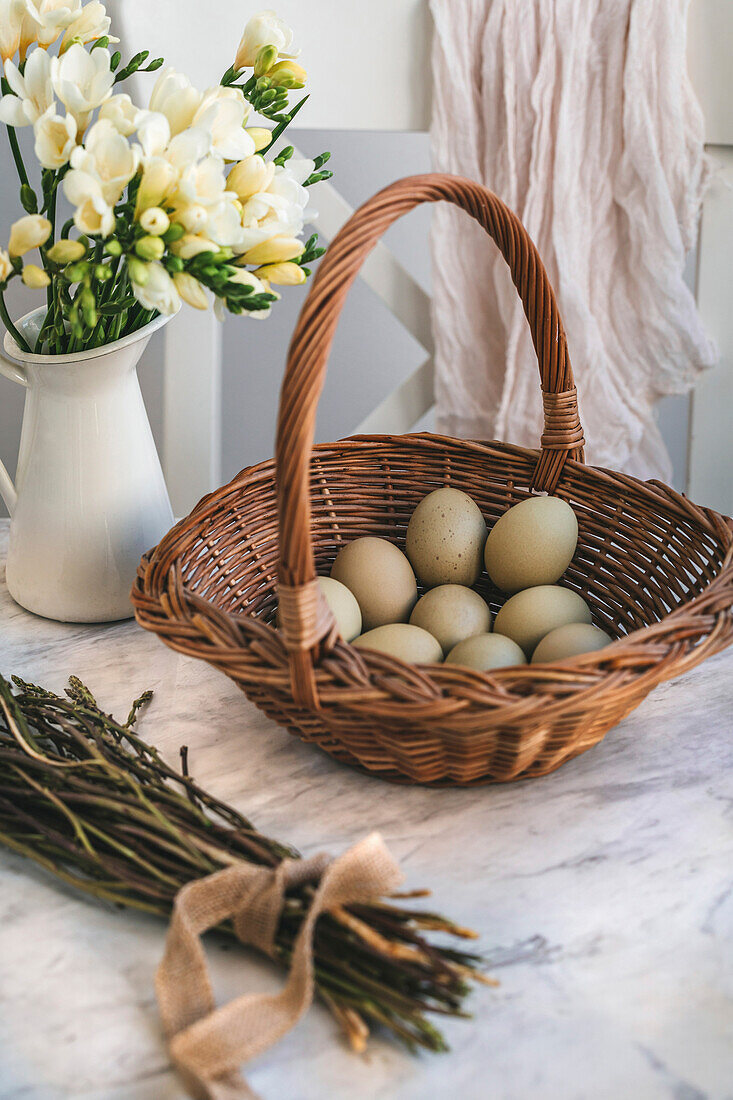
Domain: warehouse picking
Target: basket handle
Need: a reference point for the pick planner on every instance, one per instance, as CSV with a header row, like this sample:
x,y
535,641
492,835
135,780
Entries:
x,y
304,617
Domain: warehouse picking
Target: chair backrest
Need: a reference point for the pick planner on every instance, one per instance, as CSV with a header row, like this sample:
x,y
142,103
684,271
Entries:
x,y
371,71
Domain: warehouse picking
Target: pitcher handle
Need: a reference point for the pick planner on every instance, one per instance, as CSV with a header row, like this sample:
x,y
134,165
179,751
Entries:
x,y
15,373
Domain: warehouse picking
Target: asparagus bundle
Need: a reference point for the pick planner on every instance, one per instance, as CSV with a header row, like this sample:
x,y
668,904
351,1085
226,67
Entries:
x,y
89,800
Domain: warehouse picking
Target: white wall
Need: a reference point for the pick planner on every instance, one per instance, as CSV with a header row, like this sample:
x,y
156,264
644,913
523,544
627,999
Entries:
x,y
371,353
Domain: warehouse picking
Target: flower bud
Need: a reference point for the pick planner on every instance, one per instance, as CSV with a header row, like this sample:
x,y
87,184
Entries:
x,y
191,245
287,74
114,247
154,221
66,251
157,179
28,199
286,274
173,234
190,290
102,273
138,271
76,272
249,176
34,277
150,248
266,58
29,232
260,135
274,251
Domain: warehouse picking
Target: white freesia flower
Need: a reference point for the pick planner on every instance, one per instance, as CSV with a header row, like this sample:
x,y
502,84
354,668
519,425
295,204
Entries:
x,y
108,157
91,23
164,161
55,16
223,113
100,171
249,176
82,81
277,250
175,97
28,232
204,206
260,136
153,133
202,183
55,139
191,245
264,29
188,147
6,268
43,22
158,180
18,19
258,287
32,91
190,290
159,291
122,113
280,210
92,215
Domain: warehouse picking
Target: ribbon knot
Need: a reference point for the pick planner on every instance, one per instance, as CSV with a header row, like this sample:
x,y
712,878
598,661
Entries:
x,y
208,1044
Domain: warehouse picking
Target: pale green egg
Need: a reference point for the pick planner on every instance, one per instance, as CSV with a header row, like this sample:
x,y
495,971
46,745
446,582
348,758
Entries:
x,y
408,643
531,544
529,615
486,651
570,641
452,612
381,578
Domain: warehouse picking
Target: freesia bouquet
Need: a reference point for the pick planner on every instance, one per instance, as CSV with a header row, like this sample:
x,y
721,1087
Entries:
x,y
173,201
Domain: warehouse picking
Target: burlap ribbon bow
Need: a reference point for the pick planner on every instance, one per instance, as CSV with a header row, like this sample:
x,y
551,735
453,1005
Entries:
x,y
208,1044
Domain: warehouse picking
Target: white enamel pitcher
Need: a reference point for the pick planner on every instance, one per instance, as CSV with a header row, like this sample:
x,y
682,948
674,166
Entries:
x,y
89,496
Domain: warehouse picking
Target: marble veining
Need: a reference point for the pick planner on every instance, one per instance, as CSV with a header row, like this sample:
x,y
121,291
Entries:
x,y
603,895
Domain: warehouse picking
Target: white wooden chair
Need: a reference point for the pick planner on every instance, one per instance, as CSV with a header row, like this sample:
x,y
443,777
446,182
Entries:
x,y
370,71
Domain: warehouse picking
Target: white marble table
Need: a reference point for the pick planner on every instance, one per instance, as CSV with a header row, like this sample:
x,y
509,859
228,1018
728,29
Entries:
x,y
603,895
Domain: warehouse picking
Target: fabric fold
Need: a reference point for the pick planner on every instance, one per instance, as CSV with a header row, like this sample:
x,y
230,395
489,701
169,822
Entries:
x,y
580,115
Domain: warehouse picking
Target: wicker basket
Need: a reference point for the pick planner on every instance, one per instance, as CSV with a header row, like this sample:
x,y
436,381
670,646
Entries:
x,y
656,569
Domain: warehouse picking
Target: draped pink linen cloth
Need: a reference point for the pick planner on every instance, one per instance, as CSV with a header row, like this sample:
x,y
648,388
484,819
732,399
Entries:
x,y
580,115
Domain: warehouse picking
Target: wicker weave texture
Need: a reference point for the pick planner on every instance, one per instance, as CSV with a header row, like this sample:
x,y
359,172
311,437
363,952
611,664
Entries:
x,y
656,569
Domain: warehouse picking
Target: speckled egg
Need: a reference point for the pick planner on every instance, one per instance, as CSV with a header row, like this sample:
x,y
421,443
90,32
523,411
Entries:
x,y
451,612
529,615
344,607
445,538
486,651
381,578
401,640
570,641
531,544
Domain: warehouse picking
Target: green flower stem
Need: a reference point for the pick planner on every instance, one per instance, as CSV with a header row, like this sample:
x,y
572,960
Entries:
x,y
15,148
20,341
51,212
